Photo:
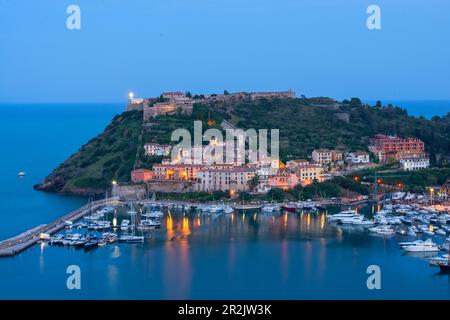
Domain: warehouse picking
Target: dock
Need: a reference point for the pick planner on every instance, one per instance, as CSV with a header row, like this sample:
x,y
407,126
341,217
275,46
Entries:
x,y
17,244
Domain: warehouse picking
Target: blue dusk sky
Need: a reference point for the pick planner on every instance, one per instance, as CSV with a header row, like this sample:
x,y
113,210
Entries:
x,y
315,47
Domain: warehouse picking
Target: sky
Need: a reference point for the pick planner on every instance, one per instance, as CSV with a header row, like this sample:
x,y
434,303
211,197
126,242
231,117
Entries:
x,y
315,47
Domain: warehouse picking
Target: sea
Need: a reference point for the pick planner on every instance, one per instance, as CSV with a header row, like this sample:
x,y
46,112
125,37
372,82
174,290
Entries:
x,y
237,256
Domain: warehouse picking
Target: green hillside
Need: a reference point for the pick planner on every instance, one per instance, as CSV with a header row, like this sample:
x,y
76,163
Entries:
x,y
304,124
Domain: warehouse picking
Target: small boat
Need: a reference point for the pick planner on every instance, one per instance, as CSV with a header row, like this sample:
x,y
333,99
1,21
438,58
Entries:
x,y
44,236
91,243
383,230
153,214
411,232
21,174
289,207
125,225
228,209
131,239
402,232
441,232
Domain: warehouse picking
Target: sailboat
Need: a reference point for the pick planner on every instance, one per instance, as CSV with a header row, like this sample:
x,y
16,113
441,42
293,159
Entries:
x,y
132,238
92,241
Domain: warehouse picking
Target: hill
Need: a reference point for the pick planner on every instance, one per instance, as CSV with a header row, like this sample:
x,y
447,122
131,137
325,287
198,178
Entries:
x,y
305,124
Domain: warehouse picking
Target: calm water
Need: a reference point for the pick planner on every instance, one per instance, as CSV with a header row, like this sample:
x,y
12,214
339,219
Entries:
x,y
239,256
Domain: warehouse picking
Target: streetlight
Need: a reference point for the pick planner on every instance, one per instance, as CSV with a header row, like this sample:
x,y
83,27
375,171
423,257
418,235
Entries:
x,y
114,183
431,195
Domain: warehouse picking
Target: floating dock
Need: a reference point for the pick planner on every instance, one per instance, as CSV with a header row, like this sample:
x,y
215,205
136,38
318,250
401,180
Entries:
x,y
17,244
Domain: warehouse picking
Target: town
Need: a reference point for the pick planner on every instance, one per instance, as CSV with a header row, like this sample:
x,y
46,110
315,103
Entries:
x,y
180,173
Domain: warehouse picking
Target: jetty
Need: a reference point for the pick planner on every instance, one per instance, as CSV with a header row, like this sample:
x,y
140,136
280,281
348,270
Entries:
x,y
17,244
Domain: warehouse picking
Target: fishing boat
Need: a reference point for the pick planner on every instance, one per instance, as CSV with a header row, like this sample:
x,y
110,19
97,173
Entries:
x,y
21,174
289,207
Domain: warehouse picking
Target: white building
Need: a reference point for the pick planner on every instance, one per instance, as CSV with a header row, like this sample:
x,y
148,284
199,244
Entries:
x,y
156,149
226,179
411,164
357,157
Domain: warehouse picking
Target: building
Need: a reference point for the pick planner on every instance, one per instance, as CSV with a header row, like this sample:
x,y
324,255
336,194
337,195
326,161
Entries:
x,y
292,164
357,157
414,163
337,155
446,188
233,179
392,147
322,156
307,174
283,180
176,171
156,149
141,175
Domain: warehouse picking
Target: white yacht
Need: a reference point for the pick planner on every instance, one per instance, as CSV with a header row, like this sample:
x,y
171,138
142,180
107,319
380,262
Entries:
x,y
383,230
358,220
425,246
343,215
128,238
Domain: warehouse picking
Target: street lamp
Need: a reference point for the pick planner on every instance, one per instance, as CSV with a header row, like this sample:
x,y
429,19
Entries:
x,y
114,183
431,195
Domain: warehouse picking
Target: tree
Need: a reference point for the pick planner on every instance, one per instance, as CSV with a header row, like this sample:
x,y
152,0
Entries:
x,y
253,182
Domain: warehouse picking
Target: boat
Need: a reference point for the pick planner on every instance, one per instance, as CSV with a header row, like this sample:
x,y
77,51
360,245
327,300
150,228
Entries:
x,y
127,238
289,207
131,238
358,220
441,232
125,225
383,230
228,209
401,231
44,236
214,209
343,215
269,208
21,174
91,243
424,246
153,214
411,232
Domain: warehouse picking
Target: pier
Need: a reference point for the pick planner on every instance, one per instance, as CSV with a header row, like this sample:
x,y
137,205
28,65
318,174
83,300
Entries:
x,y
17,244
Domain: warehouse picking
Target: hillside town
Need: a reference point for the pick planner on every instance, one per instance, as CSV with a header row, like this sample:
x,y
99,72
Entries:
x,y
180,173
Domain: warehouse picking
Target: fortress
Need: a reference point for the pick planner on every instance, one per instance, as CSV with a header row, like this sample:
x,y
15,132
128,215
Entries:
x,y
171,102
